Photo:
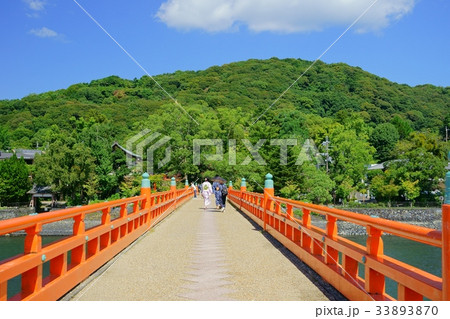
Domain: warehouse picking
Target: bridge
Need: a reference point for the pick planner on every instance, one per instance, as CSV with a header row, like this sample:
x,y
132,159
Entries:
x,y
263,247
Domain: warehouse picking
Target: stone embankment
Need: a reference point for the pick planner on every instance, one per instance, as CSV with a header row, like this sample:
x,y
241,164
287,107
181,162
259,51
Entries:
x,y
61,228
425,217
13,212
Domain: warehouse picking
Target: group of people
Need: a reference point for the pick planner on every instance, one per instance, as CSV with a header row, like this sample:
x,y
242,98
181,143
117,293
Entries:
x,y
218,188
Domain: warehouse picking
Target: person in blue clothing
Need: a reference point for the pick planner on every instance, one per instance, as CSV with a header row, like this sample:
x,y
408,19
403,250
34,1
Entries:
x,y
217,189
224,194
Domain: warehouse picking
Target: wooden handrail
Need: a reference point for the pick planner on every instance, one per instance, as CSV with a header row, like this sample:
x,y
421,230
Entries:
x,y
416,233
89,249
320,248
21,223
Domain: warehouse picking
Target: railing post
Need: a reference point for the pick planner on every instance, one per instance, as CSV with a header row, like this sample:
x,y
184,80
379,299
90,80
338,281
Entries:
x,y
78,225
186,184
290,216
332,254
32,279
230,188
173,190
243,189
33,239
106,216
306,222
4,291
375,281
269,192
446,239
173,185
447,185
146,191
446,252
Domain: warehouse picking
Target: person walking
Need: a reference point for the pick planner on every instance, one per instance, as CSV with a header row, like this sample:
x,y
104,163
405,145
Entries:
x,y
207,191
195,189
217,189
224,195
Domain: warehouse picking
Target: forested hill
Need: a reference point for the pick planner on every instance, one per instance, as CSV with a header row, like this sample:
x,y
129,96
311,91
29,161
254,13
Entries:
x,y
367,119
252,86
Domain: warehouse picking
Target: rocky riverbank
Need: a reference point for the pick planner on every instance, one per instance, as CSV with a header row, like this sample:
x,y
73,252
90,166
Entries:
x,y
61,228
13,212
425,217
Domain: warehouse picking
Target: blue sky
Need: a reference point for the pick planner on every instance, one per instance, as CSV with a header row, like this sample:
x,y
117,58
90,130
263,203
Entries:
x,y
48,45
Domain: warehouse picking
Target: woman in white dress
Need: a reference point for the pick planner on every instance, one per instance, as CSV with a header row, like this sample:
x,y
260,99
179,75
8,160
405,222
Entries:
x,y
206,192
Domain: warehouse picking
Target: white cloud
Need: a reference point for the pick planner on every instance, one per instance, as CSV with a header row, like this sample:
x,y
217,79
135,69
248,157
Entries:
x,y
35,5
284,16
44,33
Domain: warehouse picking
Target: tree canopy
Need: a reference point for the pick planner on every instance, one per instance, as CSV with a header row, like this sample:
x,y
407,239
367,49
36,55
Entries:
x,y
14,181
366,119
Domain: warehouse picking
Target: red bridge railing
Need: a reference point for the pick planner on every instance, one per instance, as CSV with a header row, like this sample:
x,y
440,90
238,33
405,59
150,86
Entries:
x,y
337,259
72,259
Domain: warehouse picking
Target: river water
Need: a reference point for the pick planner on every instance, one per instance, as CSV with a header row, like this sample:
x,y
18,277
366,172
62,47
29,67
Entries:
x,y
13,245
416,254
425,257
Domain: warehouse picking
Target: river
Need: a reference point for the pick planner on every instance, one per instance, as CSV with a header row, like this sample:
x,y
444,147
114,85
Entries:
x,y
13,245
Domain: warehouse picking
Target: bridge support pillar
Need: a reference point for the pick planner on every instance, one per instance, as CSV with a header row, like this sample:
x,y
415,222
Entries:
x,y
269,192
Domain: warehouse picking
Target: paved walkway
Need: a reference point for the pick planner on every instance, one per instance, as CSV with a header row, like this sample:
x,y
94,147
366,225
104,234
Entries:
x,y
205,255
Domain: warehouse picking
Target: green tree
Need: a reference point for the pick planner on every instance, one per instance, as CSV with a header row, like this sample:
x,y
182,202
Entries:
x,y
96,136
402,126
14,180
411,190
131,185
383,138
316,186
350,152
384,187
344,189
290,191
335,100
4,138
421,158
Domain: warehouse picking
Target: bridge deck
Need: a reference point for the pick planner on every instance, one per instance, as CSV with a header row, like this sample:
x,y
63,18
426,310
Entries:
x,y
205,255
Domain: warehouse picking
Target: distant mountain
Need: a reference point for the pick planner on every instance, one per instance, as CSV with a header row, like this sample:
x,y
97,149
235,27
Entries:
x,y
326,90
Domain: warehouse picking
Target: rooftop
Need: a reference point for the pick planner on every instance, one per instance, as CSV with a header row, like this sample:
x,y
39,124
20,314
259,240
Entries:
x,y
26,154
128,152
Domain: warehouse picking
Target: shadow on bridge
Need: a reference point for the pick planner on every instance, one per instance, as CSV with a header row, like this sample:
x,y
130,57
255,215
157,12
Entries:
x,y
329,291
